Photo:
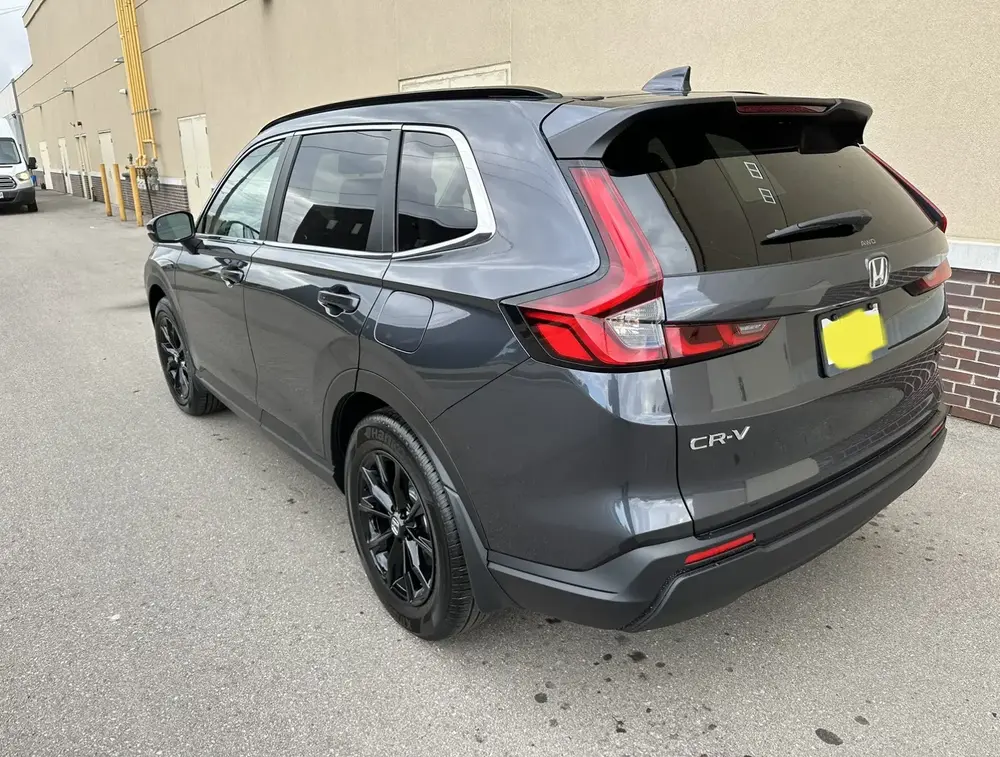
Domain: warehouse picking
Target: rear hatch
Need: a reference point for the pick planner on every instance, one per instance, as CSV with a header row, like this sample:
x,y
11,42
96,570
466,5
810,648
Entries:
x,y
794,353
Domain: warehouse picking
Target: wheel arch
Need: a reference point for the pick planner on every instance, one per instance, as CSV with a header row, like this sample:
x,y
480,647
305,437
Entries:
x,y
371,392
155,294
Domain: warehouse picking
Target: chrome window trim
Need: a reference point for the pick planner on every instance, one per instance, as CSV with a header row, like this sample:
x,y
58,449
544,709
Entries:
x,y
348,127
486,225
218,187
333,250
329,250
485,220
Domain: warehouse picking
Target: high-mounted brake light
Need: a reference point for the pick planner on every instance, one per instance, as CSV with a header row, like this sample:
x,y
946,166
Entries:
x,y
933,211
780,109
719,549
932,280
619,319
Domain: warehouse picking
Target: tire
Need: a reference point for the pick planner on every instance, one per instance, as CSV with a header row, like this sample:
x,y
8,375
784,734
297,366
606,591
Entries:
x,y
440,601
33,207
171,345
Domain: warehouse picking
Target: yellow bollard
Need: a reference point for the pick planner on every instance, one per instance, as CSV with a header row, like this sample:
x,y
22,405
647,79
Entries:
x,y
135,195
104,190
121,194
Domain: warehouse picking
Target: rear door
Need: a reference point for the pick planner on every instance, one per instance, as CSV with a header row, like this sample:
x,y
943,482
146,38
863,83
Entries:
x,y
314,282
712,188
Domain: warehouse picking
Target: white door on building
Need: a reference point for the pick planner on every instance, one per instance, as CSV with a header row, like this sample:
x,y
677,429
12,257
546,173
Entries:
x,y
197,160
43,151
64,157
108,159
84,155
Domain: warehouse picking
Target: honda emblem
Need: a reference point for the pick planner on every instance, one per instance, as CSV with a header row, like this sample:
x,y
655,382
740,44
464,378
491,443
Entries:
x,y
878,271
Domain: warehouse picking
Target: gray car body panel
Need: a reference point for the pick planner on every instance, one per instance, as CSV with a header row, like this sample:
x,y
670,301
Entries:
x,y
558,471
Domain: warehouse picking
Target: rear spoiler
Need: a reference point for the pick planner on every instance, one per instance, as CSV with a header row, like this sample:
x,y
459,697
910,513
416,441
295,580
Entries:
x,y
583,130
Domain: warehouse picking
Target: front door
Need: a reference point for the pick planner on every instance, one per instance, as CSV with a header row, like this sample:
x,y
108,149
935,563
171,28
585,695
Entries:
x,y
43,152
64,157
197,160
209,282
108,159
310,290
84,155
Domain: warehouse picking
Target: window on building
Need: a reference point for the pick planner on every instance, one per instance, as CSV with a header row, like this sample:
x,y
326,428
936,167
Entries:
x,y
237,210
434,200
333,189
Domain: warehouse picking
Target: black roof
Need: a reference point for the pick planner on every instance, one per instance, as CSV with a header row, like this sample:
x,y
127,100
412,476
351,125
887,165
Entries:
x,y
426,95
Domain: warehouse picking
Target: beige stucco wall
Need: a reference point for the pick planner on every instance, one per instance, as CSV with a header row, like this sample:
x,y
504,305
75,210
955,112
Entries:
x,y
931,71
74,43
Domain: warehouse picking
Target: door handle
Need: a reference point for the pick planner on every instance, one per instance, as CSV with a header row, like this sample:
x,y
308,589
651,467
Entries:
x,y
338,300
231,276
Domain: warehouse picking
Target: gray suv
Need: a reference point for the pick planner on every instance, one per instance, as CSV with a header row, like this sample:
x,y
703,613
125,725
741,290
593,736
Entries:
x,y
614,358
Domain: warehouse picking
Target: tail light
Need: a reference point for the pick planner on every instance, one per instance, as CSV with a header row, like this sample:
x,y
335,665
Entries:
x,y
932,280
714,338
619,320
933,211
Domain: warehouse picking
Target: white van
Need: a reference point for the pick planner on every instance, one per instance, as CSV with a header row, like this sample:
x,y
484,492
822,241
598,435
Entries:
x,y
16,185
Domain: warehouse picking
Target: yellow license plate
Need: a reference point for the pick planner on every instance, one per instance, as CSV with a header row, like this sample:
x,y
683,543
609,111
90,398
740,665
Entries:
x,y
851,339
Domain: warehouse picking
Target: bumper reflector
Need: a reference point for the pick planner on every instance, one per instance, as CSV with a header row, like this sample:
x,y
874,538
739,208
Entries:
x,y
719,549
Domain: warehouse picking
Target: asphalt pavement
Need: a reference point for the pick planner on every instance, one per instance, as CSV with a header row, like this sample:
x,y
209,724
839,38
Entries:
x,y
178,586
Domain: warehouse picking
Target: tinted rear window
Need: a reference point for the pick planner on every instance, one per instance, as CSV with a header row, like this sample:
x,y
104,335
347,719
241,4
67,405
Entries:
x,y
708,189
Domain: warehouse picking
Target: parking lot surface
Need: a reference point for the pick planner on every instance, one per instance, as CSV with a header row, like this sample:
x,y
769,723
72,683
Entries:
x,y
177,586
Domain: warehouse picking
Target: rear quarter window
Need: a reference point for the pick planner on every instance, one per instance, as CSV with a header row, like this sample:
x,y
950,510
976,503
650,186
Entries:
x,y
434,199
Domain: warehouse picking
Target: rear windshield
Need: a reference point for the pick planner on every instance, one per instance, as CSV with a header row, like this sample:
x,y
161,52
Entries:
x,y
8,152
707,189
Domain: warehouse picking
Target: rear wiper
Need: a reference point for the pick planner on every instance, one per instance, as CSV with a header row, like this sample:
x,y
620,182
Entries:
x,y
837,224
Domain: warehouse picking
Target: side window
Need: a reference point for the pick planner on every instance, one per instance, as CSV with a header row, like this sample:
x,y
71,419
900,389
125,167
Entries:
x,y
434,201
333,189
237,210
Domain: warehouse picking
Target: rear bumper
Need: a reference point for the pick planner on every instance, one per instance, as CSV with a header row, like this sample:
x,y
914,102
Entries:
x,y
23,196
650,587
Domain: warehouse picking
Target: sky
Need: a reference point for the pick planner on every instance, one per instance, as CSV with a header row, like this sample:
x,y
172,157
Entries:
x,y
14,55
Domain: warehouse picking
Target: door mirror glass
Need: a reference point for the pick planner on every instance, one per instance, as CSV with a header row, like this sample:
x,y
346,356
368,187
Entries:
x,y
32,164
171,227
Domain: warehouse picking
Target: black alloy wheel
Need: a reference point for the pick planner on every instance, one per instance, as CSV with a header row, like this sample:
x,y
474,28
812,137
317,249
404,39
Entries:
x,y
173,357
397,531
178,369
406,529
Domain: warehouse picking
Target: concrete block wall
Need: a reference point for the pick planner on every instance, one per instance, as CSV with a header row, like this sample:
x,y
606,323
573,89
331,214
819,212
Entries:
x,y
168,197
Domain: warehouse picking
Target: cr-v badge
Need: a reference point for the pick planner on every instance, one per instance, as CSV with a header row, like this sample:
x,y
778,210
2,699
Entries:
x,y
704,442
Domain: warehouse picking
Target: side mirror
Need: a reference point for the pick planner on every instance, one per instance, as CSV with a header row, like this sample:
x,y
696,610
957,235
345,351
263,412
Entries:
x,y
172,228
32,164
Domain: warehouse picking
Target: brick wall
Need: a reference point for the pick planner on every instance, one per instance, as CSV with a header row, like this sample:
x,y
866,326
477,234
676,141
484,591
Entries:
x,y
168,197
98,195
970,360
58,183
76,184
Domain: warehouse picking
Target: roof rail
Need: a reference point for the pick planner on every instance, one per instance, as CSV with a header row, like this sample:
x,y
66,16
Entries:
x,y
677,80
456,93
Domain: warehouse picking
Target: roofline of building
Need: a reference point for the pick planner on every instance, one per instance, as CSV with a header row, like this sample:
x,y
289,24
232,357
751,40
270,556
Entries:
x,y
31,10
